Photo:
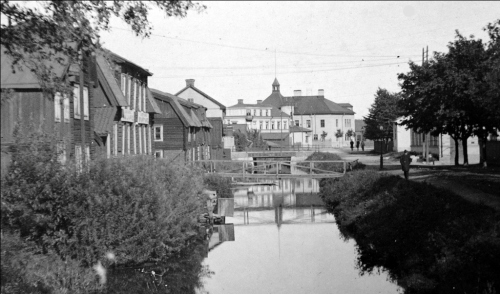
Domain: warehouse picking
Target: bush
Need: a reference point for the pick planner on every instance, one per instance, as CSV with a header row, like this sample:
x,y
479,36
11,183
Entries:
x,y
219,184
429,239
324,156
139,208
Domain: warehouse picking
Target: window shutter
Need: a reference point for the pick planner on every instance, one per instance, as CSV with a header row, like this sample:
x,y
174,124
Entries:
x,y
76,101
57,107
86,109
66,108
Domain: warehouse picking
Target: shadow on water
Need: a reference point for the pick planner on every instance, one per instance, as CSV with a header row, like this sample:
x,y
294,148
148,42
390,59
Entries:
x,y
181,274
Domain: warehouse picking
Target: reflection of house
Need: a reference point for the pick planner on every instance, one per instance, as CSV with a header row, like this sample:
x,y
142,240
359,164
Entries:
x,y
215,113
316,113
123,107
442,145
66,116
266,196
181,131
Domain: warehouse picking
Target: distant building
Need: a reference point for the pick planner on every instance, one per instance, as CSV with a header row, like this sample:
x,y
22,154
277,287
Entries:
x,y
272,123
315,113
359,131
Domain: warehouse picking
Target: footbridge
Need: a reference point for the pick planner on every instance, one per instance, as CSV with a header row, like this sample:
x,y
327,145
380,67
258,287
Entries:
x,y
274,169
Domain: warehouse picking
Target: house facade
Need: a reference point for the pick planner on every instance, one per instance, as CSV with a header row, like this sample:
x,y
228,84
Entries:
x,y
124,107
272,123
316,113
181,131
67,116
215,113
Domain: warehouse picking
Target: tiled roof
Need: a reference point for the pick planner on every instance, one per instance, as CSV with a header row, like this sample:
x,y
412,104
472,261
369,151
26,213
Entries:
x,y
296,129
309,105
203,94
103,120
24,78
276,83
274,136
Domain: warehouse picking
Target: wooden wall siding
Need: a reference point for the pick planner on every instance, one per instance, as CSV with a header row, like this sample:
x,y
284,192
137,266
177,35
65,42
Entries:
x,y
216,132
173,134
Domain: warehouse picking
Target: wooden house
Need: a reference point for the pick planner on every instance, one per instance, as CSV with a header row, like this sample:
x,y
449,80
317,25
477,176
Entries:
x,y
181,131
215,113
124,107
67,116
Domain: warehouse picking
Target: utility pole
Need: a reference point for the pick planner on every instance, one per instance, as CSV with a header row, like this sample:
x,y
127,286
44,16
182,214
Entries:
x,y
428,135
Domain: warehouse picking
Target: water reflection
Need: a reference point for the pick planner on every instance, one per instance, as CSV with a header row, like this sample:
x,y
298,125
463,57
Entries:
x,y
286,242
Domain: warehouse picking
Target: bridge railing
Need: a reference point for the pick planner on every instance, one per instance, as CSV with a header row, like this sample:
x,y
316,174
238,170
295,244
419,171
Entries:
x,y
277,169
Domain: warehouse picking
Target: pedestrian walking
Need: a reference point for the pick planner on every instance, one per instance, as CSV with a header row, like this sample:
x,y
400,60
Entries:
x,y
363,145
405,163
357,144
352,145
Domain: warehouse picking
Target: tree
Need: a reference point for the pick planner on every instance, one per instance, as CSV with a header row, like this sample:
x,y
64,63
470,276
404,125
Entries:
x,y
323,135
240,141
449,95
339,134
256,139
64,31
381,114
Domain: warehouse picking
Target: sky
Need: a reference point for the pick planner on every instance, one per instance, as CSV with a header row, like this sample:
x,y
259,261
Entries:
x,y
234,50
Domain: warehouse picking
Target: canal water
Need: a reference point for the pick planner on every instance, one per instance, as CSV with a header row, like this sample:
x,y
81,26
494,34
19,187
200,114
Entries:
x,y
281,240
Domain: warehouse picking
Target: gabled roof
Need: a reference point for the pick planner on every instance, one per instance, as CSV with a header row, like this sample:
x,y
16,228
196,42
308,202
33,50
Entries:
x,y
118,59
23,78
203,94
103,122
109,83
184,116
304,105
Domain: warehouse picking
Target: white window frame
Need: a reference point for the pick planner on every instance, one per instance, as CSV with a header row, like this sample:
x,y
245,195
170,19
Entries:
x,y
66,108
86,106
57,107
161,133
76,101
115,139
123,139
159,152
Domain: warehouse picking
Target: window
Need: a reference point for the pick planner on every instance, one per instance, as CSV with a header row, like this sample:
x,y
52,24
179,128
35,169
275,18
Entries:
x,y
255,112
337,123
260,125
124,84
87,154
297,184
57,107
285,125
134,130
115,139
308,123
158,132
128,138
272,125
66,108
123,139
143,97
310,184
129,93
279,125
249,112
76,101
261,112
189,134
315,138
139,133
139,96
307,139
322,122
296,122
158,154
267,125
86,103
267,112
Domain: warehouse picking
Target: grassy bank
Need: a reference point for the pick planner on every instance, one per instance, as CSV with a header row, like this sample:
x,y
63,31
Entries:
x,y
429,239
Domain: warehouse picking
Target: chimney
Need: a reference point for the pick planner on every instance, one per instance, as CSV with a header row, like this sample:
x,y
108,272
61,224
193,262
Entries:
x,y
297,92
190,100
321,92
259,101
189,82
240,101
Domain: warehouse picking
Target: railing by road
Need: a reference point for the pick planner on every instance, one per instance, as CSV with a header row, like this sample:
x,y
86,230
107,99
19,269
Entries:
x,y
274,169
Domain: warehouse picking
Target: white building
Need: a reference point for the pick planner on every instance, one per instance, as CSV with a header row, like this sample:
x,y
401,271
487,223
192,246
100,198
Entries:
x,y
193,94
317,114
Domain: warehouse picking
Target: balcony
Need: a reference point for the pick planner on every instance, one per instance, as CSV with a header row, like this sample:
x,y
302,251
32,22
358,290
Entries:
x,y
249,117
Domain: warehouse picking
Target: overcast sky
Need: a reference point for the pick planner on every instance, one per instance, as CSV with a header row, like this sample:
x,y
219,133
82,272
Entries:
x,y
349,49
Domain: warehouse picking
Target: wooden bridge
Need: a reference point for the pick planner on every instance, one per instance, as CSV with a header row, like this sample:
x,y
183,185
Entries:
x,y
272,169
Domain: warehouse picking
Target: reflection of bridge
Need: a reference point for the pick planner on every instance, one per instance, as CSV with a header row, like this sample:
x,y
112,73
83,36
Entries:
x,y
272,168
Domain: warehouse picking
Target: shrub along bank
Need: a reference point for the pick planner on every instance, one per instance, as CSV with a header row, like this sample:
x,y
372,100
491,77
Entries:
x,y
139,209
429,239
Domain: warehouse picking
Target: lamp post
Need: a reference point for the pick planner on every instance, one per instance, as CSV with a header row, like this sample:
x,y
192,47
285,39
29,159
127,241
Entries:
x,y
381,150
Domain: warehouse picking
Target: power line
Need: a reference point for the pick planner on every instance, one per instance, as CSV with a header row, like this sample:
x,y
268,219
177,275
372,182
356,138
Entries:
x,y
266,50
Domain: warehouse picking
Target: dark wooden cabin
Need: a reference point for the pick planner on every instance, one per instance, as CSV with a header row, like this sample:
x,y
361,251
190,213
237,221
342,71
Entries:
x,y
67,116
181,131
124,107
